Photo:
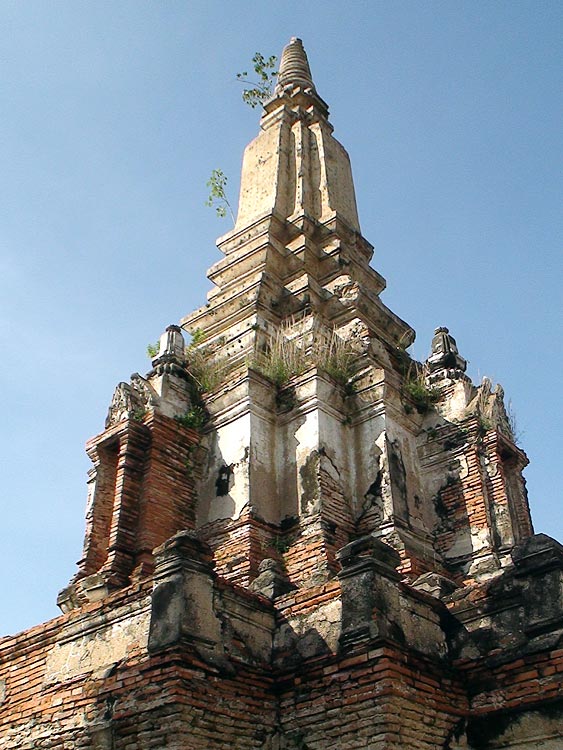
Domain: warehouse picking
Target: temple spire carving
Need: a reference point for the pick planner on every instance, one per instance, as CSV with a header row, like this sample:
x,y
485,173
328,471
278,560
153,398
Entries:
x,y
294,67
292,513
295,167
348,442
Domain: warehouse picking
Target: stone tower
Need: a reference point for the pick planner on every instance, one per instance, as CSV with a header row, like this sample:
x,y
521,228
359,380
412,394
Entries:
x,y
297,536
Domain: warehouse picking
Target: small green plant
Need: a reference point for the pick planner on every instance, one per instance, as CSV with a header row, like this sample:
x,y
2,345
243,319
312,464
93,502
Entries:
x,y
287,356
204,362
205,370
262,87
422,395
336,357
198,337
283,359
153,349
217,184
194,418
280,544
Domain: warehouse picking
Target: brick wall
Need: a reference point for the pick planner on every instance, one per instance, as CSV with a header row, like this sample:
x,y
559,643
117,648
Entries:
x,y
142,492
379,698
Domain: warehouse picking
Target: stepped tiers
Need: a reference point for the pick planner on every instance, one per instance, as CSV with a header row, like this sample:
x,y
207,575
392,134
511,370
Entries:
x,y
297,536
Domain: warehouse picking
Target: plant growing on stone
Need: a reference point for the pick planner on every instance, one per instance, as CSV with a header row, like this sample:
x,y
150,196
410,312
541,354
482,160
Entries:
x,y
280,544
419,392
153,349
198,337
194,418
262,86
217,184
206,371
206,366
336,357
281,360
287,356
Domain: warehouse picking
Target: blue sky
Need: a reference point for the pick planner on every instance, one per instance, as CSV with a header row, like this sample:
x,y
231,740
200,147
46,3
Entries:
x,y
113,116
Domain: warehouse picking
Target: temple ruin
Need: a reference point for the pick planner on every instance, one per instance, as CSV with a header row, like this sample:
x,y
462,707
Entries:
x,y
297,536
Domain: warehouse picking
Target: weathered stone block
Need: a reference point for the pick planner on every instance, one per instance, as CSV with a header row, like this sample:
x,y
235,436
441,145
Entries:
x,y
182,600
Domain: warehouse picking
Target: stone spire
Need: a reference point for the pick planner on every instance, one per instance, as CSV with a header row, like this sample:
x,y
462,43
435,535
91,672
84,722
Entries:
x,y
294,500
295,167
295,424
296,246
445,353
294,67
296,269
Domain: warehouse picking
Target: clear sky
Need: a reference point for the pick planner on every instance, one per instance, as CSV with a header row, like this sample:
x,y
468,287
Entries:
x,y
114,113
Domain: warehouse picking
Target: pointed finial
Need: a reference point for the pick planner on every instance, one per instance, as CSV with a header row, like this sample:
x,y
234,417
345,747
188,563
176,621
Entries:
x,y
445,353
294,67
171,347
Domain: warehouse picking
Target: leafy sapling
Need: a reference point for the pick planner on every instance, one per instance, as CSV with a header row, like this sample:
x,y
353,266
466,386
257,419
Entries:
x,y
262,87
153,349
217,184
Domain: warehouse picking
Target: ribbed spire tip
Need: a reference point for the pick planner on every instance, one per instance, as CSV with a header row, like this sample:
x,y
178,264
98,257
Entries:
x,y
294,67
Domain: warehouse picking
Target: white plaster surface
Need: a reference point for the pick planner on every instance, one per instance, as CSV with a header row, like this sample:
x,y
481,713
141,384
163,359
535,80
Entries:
x,y
98,650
